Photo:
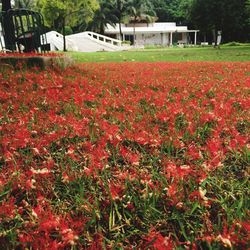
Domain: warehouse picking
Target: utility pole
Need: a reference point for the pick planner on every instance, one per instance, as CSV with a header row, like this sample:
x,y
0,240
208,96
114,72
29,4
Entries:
x,y
8,26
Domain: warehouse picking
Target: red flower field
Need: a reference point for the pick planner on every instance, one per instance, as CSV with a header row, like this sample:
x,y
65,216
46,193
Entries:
x,y
125,156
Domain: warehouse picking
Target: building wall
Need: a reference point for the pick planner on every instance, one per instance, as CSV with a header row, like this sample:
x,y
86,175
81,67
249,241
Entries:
x,y
148,39
162,39
153,39
182,38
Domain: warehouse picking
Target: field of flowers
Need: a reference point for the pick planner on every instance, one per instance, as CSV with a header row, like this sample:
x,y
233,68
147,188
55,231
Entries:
x,y
125,156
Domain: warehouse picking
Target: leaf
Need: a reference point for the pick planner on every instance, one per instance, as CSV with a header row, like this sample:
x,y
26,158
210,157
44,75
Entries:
x,y
195,206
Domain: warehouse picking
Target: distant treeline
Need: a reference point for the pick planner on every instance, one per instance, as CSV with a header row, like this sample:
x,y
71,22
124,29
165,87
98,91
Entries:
x,y
232,17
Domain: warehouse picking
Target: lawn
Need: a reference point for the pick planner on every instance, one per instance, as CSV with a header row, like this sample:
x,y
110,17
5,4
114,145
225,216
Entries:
x,y
225,53
125,156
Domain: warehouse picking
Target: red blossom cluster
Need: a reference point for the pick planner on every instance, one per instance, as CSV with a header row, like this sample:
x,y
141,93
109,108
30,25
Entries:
x,y
83,151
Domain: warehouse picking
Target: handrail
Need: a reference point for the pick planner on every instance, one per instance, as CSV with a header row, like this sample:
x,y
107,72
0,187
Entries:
x,y
104,39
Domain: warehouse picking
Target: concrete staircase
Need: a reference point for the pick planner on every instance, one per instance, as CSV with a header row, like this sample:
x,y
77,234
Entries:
x,y
85,42
55,40
82,42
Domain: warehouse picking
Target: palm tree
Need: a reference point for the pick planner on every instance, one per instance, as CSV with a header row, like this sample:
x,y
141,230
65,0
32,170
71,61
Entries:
x,y
140,10
121,11
103,16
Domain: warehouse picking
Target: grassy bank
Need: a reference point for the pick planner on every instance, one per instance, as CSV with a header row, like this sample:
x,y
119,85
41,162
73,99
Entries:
x,y
225,53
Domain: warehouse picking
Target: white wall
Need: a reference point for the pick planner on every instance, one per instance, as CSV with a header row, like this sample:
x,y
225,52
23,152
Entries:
x,y
162,39
148,39
184,38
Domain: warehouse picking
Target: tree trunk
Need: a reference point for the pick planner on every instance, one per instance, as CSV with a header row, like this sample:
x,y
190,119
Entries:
x,y
6,5
119,6
102,29
64,36
215,35
8,26
120,29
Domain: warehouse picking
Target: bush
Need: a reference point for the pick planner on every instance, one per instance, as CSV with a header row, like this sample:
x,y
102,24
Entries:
x,y
68,30
126,43
232,44
154,46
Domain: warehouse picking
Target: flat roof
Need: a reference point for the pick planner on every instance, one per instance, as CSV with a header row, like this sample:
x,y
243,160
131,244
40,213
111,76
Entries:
x,y
148,29
131,31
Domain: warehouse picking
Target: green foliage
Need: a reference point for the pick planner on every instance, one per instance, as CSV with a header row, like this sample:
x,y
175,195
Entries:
x,y
140,10
68,30
121,11
230,16
126,42
233,44
103,16
74,12
28,4
172,10
248,11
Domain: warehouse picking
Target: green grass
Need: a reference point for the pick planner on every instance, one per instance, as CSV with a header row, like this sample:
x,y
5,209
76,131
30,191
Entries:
x,y
225,53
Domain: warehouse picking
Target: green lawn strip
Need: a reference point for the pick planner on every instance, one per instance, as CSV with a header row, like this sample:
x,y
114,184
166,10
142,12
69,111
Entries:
x,y
224,53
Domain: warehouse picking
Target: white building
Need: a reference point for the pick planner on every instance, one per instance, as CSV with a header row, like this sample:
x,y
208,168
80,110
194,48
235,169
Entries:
x,y
164,34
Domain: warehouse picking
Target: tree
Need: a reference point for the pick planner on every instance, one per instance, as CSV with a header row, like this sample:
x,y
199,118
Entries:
x,y
103,16
58,13
110,12
121,9
234,24
248,12
140,10
229,16
248,6
161,8
172,10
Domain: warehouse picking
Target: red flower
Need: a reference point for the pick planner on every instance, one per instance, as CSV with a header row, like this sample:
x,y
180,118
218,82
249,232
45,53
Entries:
x,y
159,242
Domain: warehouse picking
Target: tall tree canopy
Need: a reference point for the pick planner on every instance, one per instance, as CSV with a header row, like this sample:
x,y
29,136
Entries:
x,y
69,12
248,13
121,9
172,10
229,16
103,16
